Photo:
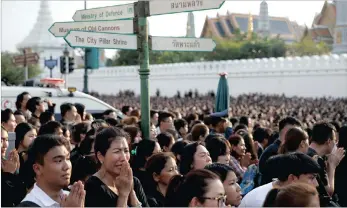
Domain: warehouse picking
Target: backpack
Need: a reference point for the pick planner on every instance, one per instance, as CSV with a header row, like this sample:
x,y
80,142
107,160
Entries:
x,y
250,179
27,204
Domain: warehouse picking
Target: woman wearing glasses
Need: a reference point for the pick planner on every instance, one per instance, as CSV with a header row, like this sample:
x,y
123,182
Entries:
x,y
199,188
229,179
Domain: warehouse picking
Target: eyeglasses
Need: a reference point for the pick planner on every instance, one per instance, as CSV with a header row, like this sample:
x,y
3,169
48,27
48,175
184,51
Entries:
x,y
220,199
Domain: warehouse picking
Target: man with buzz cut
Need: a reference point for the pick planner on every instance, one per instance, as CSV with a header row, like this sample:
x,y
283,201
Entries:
x,y
290,168
49,159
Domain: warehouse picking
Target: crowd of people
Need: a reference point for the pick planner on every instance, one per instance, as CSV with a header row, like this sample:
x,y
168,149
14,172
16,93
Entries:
x,y
265,109
264,151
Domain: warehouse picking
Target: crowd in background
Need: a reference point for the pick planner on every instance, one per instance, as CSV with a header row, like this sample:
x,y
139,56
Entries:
x,y
265,151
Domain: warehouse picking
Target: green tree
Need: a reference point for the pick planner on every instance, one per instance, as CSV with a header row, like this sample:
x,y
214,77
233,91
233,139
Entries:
x,y
15,74
307,47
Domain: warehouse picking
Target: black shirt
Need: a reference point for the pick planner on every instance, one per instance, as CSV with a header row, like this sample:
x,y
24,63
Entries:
x,y
270,151
13,190
155,198
99,194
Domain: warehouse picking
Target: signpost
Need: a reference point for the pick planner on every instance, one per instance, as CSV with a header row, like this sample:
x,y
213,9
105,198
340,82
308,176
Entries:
x,y
182,44
51,63
60,29
28,58
89,34
105,13
176,6
82,39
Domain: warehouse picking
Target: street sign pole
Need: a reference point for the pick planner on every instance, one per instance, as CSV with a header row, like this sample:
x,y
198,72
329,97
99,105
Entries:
x,y
25,66
85,77
142,13
66,54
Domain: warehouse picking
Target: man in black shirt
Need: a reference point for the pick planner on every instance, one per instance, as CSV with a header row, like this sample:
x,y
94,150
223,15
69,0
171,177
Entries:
x,y
323,149
272,150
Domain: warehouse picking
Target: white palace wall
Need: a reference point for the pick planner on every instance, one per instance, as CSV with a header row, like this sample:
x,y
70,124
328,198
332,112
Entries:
x,y
314,76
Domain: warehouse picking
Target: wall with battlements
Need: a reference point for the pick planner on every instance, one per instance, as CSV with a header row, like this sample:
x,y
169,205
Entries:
x,y
314,76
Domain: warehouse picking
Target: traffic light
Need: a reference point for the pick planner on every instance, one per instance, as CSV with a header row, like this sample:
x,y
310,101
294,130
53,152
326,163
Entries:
x,y
71,64
62,65
92,58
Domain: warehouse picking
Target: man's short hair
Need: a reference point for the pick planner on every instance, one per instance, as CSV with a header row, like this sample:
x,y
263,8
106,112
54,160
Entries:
x,y
5,115
45,117
180,123
322,132
288,121
125,109
164,115
281,166
41,146
32,103
260,134
50,128
65,107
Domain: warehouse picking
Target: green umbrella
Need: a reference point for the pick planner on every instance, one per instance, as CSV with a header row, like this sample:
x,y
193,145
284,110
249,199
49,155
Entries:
x,y
222,98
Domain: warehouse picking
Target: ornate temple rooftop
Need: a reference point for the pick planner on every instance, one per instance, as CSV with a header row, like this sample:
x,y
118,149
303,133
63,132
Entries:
x,y
224,26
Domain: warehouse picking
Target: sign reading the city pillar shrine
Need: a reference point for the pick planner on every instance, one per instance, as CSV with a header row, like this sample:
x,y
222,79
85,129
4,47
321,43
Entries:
x,y
60,29
175,6
81,39
182,44
105,13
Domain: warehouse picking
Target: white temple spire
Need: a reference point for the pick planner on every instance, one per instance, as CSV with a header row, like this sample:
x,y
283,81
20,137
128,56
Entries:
x,y
39,36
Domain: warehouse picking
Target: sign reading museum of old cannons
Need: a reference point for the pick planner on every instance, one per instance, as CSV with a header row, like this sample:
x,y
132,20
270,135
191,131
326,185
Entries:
x,y
60,29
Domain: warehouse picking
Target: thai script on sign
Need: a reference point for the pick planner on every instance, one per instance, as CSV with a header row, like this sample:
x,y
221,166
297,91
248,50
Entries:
x,y
184,44
189,4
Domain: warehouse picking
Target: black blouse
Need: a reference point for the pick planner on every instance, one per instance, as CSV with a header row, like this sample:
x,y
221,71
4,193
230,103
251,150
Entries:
x,y
13,190
99,194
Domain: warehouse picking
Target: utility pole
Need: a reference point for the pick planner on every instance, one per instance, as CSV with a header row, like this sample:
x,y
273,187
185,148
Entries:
x,y
142,13
85,76
25,65
66,54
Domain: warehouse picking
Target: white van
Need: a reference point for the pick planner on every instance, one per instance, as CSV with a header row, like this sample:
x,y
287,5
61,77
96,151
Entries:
x,y
58,96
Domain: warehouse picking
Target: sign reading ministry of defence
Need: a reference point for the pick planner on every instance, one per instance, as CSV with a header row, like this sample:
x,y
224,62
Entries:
x,y
105,13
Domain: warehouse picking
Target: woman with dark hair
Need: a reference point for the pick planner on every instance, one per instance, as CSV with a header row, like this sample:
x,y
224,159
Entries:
x,y
341,170
219,149
12,188
238,155
293,195
177,149
249,143
21,103
194,156
295,140
199,188
229,180
144,150
113,185
25,135
160,168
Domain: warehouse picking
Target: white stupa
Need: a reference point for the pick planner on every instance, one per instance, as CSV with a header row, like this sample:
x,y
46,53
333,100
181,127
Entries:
x,y
40,40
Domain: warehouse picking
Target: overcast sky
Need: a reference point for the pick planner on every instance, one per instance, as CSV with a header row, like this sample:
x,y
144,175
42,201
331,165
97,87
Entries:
x,y
18,17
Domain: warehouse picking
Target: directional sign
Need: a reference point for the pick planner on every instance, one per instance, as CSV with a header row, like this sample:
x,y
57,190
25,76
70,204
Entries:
x,y
82,39
105,13
29,58
182,44
60,29
175,6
